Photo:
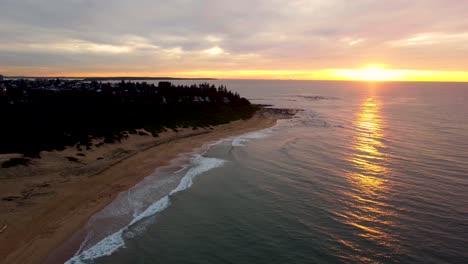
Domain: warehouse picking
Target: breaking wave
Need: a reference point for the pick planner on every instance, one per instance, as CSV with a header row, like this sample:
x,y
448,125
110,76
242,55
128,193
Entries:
x,y
115,241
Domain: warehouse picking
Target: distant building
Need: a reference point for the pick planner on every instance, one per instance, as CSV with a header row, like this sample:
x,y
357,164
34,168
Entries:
x,y
1,77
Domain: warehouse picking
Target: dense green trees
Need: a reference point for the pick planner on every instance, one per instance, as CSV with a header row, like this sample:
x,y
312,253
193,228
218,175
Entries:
x,y
50,114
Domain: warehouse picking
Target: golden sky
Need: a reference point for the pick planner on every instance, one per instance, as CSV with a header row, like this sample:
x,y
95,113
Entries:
x,y
387,40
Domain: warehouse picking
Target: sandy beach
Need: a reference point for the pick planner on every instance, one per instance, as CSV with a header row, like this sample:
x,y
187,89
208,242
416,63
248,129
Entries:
x,y
44,204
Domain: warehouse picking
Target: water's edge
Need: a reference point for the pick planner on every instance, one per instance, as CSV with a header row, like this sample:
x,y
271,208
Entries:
x,y
190,164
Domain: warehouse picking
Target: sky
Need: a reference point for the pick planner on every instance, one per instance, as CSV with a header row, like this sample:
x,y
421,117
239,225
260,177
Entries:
x,y
261,39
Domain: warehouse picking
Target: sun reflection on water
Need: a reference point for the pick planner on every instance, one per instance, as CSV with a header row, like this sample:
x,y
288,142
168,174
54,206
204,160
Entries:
x,y
366,211
367,160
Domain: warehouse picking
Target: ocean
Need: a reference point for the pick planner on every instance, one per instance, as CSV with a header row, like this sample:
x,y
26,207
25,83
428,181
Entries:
x,y
365,173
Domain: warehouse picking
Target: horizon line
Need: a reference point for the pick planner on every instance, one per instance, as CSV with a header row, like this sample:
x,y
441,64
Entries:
x,y
217,79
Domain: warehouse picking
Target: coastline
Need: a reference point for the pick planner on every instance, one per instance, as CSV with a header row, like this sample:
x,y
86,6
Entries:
x,y
46,203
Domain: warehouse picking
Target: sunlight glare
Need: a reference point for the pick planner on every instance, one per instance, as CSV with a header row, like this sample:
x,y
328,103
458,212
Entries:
x,y
370,73
373,74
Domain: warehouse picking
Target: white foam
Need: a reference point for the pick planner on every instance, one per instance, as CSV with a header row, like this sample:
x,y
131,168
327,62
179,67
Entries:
x,y
105,247
153,209
203,165
115,241
239,140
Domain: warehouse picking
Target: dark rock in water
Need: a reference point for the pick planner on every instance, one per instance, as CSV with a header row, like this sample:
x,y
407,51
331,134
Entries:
x,y
317,97
263,105
280,113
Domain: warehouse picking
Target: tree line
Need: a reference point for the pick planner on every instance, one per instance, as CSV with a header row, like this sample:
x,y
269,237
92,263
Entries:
x,y
49,114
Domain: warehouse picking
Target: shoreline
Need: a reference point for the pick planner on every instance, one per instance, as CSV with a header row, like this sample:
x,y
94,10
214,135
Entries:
x,y
45,204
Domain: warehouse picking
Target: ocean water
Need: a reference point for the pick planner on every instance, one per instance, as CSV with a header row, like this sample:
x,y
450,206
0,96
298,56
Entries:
x,y
366,173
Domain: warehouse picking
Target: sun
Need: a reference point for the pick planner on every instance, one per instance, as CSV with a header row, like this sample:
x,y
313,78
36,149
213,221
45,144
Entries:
x,y
373,73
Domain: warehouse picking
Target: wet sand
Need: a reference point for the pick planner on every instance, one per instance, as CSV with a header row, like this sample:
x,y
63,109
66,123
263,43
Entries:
x,y
44,204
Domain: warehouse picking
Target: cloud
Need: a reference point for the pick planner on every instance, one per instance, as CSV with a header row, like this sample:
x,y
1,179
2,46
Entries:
x,y
214,51
433,39
187,35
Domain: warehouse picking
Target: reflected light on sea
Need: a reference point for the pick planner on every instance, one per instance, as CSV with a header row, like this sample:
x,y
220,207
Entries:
x,y
366,212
